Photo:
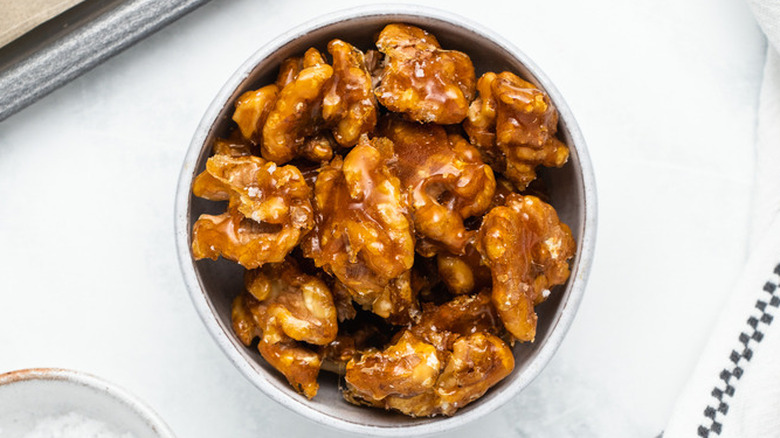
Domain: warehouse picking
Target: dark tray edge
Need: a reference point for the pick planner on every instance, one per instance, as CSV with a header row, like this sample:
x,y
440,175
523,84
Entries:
x,y
83,48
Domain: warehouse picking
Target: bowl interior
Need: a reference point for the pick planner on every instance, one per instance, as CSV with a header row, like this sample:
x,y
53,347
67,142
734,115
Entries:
x,y
220,281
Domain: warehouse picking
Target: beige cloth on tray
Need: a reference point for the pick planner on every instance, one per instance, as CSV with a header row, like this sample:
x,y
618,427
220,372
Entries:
x,y
18,17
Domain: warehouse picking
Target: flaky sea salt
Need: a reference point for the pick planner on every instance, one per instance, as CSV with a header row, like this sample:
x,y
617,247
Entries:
x,y
73,425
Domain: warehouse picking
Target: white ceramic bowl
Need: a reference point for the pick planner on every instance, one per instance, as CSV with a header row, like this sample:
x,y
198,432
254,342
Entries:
x,y
29,396
213,285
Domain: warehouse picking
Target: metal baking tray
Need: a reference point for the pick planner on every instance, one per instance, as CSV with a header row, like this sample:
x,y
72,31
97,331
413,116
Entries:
x,y
75,41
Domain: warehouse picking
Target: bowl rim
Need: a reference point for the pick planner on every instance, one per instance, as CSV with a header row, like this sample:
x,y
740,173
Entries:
x,y
130,401
579,277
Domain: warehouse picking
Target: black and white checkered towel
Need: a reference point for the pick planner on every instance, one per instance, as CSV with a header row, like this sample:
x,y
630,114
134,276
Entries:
x,y
735,388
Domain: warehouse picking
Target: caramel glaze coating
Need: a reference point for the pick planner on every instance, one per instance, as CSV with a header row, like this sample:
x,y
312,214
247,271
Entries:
x,y
527,249
442,363
268,214
461,316
362,233
478,362
252,110
207,186
420,79
297,114
514,125
419,377
407,368
446,180
349,104
284,307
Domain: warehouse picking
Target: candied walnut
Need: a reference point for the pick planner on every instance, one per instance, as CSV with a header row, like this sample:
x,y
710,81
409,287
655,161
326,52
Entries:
x,y
421,80
465,273
297,113
242,240
445,178
252,110
412,376
207,186
268,215
527,249
349,103
407,368
478,362
445,361
362,232
301,304
462,316
283,307
514,124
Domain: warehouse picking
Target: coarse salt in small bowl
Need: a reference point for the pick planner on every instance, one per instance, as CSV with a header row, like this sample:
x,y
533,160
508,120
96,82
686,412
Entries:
x,y
51,402
214,284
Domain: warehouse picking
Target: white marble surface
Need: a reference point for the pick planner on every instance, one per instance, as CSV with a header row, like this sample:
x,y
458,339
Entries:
x,y
665,93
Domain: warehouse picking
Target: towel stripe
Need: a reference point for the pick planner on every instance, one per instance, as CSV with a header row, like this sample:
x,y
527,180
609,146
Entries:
x,y
748,340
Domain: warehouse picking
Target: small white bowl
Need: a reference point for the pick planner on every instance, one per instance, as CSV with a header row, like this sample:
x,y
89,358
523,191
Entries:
x,y
28,396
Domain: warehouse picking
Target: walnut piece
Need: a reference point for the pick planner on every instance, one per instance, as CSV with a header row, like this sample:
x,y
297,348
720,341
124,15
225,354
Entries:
x,y
407,368
421,80
349,103
527,249
284,307
268,214
413,377
448,359
514,125
252,110
297,113
362,233
461,316
446,180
